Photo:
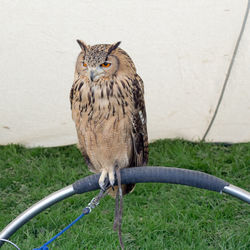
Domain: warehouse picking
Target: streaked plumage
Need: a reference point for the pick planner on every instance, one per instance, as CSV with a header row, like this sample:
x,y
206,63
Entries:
x,y
109,111
107,102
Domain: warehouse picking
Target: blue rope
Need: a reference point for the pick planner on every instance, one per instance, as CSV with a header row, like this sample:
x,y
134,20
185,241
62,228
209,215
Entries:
x,y
44,247
93,203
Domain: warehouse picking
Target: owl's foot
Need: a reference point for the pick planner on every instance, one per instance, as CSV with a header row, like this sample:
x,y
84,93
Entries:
x,y
107,179
103,180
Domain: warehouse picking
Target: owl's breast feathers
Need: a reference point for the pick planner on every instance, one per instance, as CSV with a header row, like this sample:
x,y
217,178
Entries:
x,y
110,120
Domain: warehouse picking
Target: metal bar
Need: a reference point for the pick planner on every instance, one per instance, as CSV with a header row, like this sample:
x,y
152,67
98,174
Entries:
x,y
69,191
156,174
34,210
237,192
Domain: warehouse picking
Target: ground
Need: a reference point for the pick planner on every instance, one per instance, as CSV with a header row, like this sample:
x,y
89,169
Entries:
x,y
156,216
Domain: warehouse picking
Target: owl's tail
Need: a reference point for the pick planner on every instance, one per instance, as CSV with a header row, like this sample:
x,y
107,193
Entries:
x,y
126,188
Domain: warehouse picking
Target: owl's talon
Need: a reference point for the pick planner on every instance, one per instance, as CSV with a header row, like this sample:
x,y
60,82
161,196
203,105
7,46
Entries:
x,y
112,178
103,180
107,179
104,186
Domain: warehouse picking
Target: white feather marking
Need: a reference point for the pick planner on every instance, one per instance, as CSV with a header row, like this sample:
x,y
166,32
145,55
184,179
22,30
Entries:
x,y
141,117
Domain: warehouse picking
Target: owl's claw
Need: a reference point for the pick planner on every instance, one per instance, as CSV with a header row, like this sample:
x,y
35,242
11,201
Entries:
x,y
112,178
107,179
104,186
103,180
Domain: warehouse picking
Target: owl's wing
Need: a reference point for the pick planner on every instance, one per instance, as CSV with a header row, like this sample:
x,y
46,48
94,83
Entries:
x,y
72,94
139,132
75,99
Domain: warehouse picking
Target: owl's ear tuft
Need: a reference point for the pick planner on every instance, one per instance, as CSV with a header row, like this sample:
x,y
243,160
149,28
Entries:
x,y
82,45
113,47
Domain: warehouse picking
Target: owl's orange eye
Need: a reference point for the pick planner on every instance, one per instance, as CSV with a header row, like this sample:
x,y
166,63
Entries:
x,y
84,64
105,65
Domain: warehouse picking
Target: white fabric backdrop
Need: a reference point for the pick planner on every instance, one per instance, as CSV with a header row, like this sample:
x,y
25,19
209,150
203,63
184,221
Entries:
x,y
181,49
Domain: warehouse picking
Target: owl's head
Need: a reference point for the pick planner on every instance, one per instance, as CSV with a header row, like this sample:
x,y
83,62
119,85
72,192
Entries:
x,y
103,61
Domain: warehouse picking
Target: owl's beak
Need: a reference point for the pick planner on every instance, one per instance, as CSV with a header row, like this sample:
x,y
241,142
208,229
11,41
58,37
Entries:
x,y
94,74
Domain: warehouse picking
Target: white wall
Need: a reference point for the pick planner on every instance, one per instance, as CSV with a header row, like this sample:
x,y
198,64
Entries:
x,y
181,49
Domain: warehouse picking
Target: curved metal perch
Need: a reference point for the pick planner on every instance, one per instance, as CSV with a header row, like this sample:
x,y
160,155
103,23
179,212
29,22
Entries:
x,y
129,175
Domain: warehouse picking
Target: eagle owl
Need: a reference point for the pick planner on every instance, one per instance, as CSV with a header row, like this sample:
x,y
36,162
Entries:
x,y
107,102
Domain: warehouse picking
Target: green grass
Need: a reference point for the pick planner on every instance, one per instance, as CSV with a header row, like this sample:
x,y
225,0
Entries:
x,y
156,216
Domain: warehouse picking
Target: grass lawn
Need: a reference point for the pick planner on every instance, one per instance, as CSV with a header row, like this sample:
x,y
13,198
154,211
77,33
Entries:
x,y
156,216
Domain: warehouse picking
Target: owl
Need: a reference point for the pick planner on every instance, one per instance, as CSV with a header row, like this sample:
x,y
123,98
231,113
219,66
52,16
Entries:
x,y
107,102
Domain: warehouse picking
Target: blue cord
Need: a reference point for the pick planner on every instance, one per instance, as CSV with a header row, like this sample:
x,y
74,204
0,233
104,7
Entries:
x,y
94,202
44,247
